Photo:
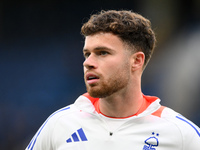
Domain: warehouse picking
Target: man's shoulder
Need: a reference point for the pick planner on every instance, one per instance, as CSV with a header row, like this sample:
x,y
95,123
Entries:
x,y
175,117
183,124
81,104
65,111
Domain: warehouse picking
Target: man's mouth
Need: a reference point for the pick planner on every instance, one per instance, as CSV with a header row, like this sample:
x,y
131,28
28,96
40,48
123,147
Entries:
x,y
91,78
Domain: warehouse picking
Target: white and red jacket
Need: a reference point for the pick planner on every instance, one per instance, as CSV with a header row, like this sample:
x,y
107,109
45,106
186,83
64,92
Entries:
x,y
81,126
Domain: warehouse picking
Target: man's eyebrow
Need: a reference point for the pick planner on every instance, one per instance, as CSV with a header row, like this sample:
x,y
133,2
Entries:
x,y
99,48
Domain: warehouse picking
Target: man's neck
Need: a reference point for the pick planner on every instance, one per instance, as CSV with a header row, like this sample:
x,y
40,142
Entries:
x,y
121,105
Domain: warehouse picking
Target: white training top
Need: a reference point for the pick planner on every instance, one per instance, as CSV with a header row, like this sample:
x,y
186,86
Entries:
x,y
81,126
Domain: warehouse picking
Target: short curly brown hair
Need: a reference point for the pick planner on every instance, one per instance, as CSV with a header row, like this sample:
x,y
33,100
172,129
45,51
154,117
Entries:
x,y
130,27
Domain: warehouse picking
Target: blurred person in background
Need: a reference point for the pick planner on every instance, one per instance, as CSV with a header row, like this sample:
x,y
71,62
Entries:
x,y
115,114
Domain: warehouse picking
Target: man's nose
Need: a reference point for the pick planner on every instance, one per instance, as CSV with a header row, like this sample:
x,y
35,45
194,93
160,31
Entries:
x,y
90,62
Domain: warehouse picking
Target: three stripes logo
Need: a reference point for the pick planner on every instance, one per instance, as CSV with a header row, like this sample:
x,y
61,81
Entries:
x,y
77,136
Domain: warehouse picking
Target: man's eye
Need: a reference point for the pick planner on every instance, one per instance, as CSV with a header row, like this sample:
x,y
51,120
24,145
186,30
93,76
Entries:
x,y
103,53
86,55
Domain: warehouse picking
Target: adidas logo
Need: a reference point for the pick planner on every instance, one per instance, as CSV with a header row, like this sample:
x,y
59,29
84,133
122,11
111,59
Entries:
x,y
77,136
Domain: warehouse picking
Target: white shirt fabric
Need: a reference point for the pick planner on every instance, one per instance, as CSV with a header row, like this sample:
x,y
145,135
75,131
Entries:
x,y
113,124
80,127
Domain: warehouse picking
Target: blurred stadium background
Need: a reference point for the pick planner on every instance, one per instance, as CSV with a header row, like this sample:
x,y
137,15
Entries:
x,y
41,59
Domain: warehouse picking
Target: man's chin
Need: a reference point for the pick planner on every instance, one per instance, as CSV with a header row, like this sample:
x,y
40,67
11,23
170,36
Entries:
x,y
94,94
97,93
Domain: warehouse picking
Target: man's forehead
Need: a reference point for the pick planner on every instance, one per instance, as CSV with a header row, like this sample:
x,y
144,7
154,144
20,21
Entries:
x,y
102,41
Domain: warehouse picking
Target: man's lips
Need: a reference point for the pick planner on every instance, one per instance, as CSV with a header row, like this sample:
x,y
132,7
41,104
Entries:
x,y
91,78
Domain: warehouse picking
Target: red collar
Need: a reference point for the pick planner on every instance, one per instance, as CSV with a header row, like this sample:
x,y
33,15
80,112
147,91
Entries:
x,y
147,101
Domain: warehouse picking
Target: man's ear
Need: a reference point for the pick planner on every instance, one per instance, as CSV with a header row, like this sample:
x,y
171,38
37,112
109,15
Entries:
x,y
138,60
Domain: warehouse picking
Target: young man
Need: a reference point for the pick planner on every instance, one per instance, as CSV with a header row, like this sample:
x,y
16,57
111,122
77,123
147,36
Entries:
x,y
115,114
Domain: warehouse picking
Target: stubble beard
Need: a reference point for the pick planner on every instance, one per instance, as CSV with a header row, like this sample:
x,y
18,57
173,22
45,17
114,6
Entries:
x,y
107,87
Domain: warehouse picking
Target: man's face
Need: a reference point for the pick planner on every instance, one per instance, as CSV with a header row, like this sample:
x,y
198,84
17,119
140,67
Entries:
x,y
106,67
